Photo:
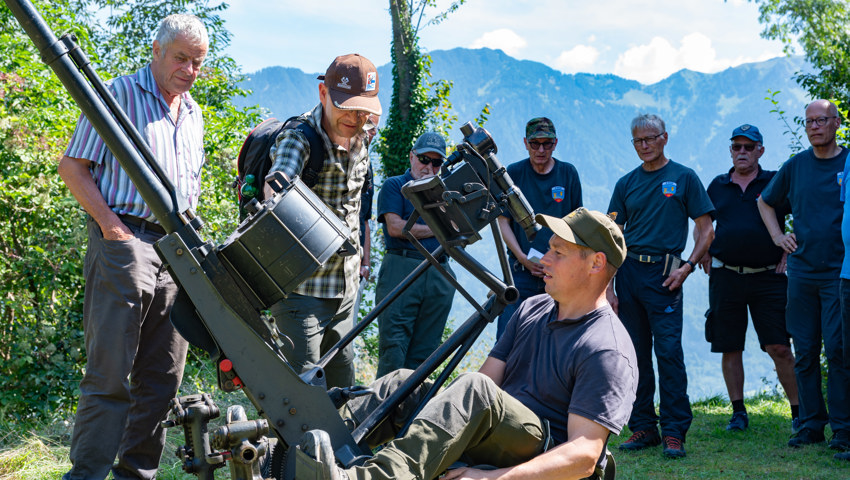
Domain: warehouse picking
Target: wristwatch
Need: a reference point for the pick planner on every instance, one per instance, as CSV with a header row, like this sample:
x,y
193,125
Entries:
x,y
692,264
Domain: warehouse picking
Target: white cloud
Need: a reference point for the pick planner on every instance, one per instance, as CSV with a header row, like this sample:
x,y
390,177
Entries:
x,y
580,58
503,39
659,59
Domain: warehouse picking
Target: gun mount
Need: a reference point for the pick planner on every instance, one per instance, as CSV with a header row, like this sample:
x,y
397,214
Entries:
x,y
226,288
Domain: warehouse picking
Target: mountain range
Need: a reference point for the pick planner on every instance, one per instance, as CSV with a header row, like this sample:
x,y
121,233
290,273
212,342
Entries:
x,y
592,114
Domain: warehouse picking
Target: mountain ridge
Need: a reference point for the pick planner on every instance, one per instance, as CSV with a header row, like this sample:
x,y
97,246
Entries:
x,y
592,113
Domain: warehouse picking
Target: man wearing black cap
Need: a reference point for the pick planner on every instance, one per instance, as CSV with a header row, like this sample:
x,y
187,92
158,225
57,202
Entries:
x,y
565,358
420,312
811,181
746,271
552,187
319,312
652,203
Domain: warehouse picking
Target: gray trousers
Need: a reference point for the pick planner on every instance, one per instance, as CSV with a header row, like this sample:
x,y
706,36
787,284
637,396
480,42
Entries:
x,y
315,325
411,327
134,359
471,420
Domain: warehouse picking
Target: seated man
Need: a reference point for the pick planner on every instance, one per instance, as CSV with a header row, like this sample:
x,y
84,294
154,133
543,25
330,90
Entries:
x,y
564,358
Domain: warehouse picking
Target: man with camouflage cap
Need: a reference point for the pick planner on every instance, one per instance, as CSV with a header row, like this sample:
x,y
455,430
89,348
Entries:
x,y
552,187
421,311
565,358
320,311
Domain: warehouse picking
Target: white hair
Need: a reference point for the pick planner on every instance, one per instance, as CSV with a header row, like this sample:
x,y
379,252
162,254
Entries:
x,y
181,23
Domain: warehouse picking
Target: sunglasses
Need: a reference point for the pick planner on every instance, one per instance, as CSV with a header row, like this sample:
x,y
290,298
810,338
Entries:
x,y
536,145
736,147
424,160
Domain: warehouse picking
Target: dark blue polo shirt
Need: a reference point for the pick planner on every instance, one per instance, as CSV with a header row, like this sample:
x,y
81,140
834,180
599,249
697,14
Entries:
x,y
740,237
390,200
813,187
655,206
556,193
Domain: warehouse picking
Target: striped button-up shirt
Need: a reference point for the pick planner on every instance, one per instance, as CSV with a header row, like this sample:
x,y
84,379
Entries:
x,y
177,146
339,185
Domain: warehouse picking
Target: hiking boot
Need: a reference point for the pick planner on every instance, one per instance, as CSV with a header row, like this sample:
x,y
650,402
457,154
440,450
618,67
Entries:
x,y
739,422
795,425
806,436
642,439
673,447
840,440
315,458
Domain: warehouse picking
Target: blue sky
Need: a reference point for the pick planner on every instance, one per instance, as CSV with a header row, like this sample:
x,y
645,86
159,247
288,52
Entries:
x,y
644,41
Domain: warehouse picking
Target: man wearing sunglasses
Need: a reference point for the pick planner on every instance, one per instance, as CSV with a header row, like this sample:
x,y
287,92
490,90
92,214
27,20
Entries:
x,y
320,311
411,327
552,187
746,271
811,181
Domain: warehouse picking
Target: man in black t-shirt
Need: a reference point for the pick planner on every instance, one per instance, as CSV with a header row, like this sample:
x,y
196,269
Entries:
x,y
411,327
552,187
564,357
811,182
746,271
652,203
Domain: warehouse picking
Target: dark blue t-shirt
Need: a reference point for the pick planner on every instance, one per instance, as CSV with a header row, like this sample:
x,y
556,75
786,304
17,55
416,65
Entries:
x,y
390,200
813,187
585,366
556,193
655,207
740,238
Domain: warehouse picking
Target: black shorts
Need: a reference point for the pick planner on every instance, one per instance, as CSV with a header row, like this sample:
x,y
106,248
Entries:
x,y
729,295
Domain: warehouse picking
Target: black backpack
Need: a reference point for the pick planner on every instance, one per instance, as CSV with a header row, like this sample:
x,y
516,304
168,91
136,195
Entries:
x,y
254,162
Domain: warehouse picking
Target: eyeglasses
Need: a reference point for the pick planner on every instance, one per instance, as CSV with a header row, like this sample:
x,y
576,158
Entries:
x,y
820,121
649,140
548,145
736,147
424,160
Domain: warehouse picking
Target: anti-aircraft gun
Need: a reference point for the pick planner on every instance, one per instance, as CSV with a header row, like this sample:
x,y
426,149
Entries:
x,y
225,288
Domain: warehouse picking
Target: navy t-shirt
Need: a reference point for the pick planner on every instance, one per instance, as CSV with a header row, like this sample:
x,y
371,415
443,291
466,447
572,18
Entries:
x,y
585,366
813,187
366,196
556,193
740,238
390,200
655,207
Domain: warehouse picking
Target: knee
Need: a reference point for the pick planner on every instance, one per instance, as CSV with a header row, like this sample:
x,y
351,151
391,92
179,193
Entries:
x,y
779,352
474,384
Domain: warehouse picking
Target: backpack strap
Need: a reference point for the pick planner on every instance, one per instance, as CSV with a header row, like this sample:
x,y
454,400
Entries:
x,y
310,172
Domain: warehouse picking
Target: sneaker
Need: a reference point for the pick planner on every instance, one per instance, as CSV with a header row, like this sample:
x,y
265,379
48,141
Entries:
x,y
842,456
840,440
806,436
642,439
315,458
795,425
739,422
673,447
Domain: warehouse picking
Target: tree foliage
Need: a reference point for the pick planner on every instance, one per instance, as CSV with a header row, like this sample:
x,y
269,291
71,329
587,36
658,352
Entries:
x,y
822,30
42,237
417,103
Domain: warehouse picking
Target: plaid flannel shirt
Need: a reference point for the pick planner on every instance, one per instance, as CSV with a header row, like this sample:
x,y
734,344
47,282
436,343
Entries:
x,y
339,185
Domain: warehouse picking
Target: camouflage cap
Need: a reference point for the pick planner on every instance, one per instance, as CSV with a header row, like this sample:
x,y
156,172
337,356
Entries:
x,y
540,127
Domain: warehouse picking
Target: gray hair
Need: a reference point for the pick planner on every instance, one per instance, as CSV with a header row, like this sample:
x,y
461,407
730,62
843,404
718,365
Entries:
x,y
181,23
649,120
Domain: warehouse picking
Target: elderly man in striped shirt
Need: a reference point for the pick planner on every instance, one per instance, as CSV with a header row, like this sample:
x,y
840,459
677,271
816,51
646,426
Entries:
x,y
135,357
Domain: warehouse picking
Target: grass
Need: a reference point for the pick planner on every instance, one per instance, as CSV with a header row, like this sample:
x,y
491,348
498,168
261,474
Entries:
x,y
41,451
760,452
